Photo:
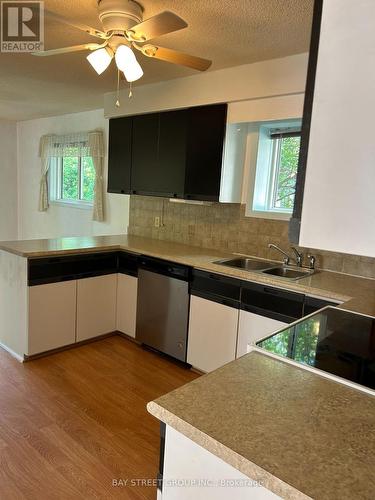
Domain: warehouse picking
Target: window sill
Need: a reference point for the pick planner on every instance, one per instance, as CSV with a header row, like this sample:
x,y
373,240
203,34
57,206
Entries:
x,y
81,205
260,214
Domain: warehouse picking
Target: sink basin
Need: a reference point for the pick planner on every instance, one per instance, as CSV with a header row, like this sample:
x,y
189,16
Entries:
x,y
246,264
289,273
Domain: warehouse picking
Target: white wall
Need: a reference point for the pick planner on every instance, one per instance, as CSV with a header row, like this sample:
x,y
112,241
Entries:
x,y
338,207
61,221
276,77
8,180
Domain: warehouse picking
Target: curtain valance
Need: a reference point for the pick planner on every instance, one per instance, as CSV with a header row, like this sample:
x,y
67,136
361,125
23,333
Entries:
x,y
77,144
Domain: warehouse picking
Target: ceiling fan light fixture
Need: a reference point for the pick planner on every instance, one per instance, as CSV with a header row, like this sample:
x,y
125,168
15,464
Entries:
x,y
128,64
100,59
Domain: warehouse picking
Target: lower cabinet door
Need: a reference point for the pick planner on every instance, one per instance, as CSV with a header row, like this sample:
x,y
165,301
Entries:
x,y
253,327
126,316
52,316
96,306
212,334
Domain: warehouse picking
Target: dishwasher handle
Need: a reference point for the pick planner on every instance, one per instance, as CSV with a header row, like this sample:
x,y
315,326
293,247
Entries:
x,y
164,267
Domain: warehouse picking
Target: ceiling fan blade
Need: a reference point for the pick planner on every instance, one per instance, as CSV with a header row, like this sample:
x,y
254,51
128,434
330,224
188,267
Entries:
x,y
83,27
67,50
163,23
174,57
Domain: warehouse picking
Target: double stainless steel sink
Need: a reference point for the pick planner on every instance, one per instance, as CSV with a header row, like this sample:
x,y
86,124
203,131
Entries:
x,y
290,273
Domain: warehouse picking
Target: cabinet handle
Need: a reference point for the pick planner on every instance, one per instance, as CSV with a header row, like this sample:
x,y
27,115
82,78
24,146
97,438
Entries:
x,y
271,290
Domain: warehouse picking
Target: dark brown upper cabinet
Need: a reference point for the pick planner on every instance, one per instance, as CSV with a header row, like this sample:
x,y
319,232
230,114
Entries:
x,y
119,155
175,154
204,153
159,154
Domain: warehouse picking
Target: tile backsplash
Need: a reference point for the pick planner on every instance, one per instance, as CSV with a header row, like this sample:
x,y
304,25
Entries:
x,y
225,227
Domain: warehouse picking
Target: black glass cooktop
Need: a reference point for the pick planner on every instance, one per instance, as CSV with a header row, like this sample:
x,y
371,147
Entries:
x,y
333,340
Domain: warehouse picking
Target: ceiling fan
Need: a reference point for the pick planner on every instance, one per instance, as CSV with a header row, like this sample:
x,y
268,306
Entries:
x,y
123,30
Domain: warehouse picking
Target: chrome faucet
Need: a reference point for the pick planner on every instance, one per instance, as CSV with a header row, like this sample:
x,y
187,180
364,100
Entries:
x,y
298,256
286,258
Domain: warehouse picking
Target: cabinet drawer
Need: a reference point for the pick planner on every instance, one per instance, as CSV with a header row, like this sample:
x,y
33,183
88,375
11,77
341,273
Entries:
x,y
55,269
128,263
313,304
271,302
215,287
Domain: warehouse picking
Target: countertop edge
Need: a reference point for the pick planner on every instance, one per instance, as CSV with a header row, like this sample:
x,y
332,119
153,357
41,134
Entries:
x,y
59,253
253,471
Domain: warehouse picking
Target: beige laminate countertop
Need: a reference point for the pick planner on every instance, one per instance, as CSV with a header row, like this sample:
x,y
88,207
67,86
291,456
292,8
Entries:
x,y
298,433
357,294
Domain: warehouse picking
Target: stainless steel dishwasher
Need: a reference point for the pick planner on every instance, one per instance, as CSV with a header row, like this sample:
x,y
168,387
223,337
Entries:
x,y
163,306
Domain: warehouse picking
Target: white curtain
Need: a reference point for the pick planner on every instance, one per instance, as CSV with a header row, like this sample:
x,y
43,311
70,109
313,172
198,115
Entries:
x,y
96,148
44,149
79,144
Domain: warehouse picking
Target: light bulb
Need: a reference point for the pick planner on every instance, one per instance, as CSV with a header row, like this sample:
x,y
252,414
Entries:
x,y
100,59
127,62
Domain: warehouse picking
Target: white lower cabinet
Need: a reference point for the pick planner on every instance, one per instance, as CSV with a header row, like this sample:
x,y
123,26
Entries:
x,y
52,316
127,287
253,327
212,334
96,306
191,472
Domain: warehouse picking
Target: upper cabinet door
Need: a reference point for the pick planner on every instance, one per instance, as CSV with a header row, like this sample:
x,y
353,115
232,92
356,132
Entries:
x,y
145,175
159,153
205,144
172,152
119,155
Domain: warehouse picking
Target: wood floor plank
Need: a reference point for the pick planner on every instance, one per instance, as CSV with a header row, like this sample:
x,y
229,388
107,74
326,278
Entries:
x,y
72,422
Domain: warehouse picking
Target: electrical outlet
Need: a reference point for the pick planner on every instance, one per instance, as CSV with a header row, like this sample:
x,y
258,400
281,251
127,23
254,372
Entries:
x,y
157,222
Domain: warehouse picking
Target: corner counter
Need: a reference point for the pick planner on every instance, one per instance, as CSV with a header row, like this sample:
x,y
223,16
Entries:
x,y
298,434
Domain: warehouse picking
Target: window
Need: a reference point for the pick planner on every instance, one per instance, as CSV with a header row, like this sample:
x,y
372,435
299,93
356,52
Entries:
x,y
72,180
275,173
285,158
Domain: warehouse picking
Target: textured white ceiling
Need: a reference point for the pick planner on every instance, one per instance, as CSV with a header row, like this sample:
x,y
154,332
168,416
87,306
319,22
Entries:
x,y
229,33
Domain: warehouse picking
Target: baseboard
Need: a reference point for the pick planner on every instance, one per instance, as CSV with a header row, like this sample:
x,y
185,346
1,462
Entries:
x,y
19,358
68,347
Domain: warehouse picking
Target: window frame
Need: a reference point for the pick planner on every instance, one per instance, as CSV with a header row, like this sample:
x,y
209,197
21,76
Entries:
x,y
265,156
56,172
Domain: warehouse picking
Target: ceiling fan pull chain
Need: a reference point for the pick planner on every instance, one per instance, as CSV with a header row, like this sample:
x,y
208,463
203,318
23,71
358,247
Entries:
x,y
117,104
130,90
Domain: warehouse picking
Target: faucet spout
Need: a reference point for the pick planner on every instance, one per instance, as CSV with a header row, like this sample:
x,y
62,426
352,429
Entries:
x,y
286,256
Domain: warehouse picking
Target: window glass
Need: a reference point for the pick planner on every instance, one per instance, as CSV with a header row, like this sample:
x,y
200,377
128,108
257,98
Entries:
x,y
286,172
88,178
70,178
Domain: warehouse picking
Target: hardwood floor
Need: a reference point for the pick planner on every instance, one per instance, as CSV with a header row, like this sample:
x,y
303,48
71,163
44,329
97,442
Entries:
x,y
73,422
